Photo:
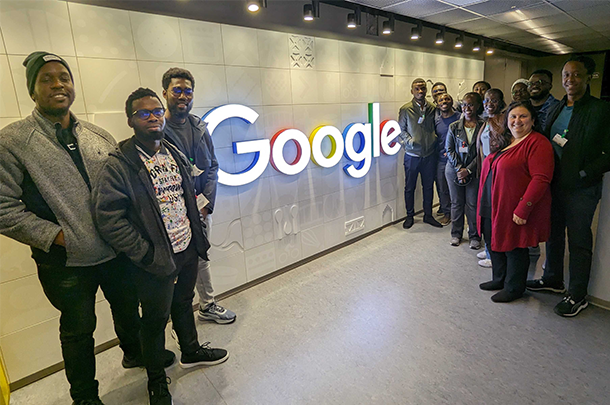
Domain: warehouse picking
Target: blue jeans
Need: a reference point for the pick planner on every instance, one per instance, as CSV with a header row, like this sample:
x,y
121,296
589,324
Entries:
x,y
463,201
442,188
427,168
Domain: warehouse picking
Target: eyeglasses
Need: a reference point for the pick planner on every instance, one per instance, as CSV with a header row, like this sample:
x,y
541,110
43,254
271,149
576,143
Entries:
x,y
464,105
179,90
538,83
486,101
145,114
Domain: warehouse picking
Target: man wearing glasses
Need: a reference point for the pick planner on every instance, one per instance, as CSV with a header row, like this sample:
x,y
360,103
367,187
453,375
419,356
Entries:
x,y
540,85
144,206
189,134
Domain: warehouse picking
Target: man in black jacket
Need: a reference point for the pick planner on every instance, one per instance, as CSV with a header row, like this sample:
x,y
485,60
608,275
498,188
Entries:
x,y
144,206
189,134
579,131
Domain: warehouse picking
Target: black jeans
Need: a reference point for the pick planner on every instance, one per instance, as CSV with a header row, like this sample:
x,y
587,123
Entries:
x,y
509,268
574,210
72,291
161,296
413,167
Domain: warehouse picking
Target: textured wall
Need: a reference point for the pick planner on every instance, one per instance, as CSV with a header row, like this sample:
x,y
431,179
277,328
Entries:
x,y
291,81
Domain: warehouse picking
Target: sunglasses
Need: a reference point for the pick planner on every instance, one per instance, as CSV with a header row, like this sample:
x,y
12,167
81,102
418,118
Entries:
x,y
179,90
145,114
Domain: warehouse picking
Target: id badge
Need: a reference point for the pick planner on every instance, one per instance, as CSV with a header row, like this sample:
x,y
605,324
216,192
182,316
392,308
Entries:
x,y
463,149
420,120
559,140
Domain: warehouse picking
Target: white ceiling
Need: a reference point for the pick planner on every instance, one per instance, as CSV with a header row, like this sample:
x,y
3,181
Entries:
x,y
555,26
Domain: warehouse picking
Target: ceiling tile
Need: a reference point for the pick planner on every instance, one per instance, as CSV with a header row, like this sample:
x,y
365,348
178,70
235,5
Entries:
x,y
554,20
377,3
419,8
455,15
569,26
593,15
462,3
571,5
500,6
524,14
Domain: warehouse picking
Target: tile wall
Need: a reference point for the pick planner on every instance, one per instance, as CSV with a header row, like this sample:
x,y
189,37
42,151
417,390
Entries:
x,y
290,80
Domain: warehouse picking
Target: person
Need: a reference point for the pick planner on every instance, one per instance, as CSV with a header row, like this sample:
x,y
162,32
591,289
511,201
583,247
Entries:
x,y
439,88
189,134
416,120
580,135
515,202
47,161
491,137
461,171
144,206
481,87
441,125
519,90
539,89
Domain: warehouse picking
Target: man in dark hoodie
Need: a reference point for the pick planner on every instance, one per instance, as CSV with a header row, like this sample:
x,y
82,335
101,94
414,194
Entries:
x,y
144,206
46,163
189,134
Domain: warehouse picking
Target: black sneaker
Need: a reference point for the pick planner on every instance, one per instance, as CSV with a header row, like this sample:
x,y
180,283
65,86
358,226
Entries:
x,y
408,223
541,285
431,221
95,401
133,362
204,356
568,307
158,392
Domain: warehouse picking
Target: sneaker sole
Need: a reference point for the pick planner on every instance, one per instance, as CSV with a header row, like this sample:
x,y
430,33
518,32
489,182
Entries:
x,y
204,363
586,304
219,321
547,289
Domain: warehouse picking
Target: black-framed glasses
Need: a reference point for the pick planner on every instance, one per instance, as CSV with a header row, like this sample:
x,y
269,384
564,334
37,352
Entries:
x,y
464,105
188,92
144,114
538,83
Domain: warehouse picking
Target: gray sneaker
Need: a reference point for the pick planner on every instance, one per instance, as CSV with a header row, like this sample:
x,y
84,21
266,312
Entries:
x,y
216,313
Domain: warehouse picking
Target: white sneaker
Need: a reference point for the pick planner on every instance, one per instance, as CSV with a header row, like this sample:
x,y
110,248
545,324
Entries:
x,y
485,263
482,255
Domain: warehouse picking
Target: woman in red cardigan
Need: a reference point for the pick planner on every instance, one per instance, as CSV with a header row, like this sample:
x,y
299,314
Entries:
x,y
515,202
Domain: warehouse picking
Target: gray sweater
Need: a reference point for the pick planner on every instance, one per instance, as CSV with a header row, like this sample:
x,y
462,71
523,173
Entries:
x,y
29,148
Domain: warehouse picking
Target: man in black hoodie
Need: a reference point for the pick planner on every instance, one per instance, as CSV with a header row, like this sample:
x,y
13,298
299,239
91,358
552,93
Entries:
x,y
144,206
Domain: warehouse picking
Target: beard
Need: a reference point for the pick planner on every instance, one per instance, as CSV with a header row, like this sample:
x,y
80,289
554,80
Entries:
x,y
179,113
538,96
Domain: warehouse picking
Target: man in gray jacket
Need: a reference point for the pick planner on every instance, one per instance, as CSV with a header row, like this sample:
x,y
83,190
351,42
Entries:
x,y
416,120
46,163
189,134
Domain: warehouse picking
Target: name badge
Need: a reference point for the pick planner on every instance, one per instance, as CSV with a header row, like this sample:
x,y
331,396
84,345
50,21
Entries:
x,y
559,140
463,149
420,120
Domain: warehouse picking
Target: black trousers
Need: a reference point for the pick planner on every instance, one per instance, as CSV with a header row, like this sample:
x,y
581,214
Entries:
x,y
509,268
427,168
72,291
574,210
161,296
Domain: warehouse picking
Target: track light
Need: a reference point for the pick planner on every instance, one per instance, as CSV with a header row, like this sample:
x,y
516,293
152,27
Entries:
x,y
440,37
311,11
416,32
388,26
459,41
354,19
477,46
255,5
490,51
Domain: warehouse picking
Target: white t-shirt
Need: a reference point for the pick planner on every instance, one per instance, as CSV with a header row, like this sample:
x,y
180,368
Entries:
x,y
167,182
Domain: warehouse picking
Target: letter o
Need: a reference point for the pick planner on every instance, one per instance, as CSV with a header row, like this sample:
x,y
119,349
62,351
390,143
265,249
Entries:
x,y
278,142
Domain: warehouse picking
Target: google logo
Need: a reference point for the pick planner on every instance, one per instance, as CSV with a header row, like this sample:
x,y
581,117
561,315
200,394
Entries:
x,y
374,138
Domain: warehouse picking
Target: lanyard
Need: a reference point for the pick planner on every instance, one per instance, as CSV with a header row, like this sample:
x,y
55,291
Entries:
x,y
565,132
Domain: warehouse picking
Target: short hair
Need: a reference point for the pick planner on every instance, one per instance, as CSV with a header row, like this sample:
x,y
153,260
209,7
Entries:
x,y
445,94
179,73
500,95
136,95
418,80
439,84
545,72
482,82
585,60
475,95
527,104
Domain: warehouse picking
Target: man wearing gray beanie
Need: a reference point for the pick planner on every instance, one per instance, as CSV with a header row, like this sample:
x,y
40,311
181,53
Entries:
x,y
46,163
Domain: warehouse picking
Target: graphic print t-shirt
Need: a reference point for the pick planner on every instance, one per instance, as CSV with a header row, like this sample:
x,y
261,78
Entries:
x,y
167,183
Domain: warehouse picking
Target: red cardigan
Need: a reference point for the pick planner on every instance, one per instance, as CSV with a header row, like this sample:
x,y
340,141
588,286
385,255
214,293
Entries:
x,y
521,186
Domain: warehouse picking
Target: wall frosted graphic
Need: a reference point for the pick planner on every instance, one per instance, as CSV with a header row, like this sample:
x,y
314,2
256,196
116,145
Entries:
x,y
291,81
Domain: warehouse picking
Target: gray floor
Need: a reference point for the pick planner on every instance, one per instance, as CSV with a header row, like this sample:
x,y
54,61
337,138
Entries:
x,y
396,318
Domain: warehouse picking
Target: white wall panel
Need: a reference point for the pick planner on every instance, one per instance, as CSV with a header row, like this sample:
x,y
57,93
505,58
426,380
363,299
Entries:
x,y
107,83
156,37
327,54
273,49
261,261
210,85
8,99
113,122
244,85
226,239
240,46
409,63
201,42
228,273
151,74
313,240
276,88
